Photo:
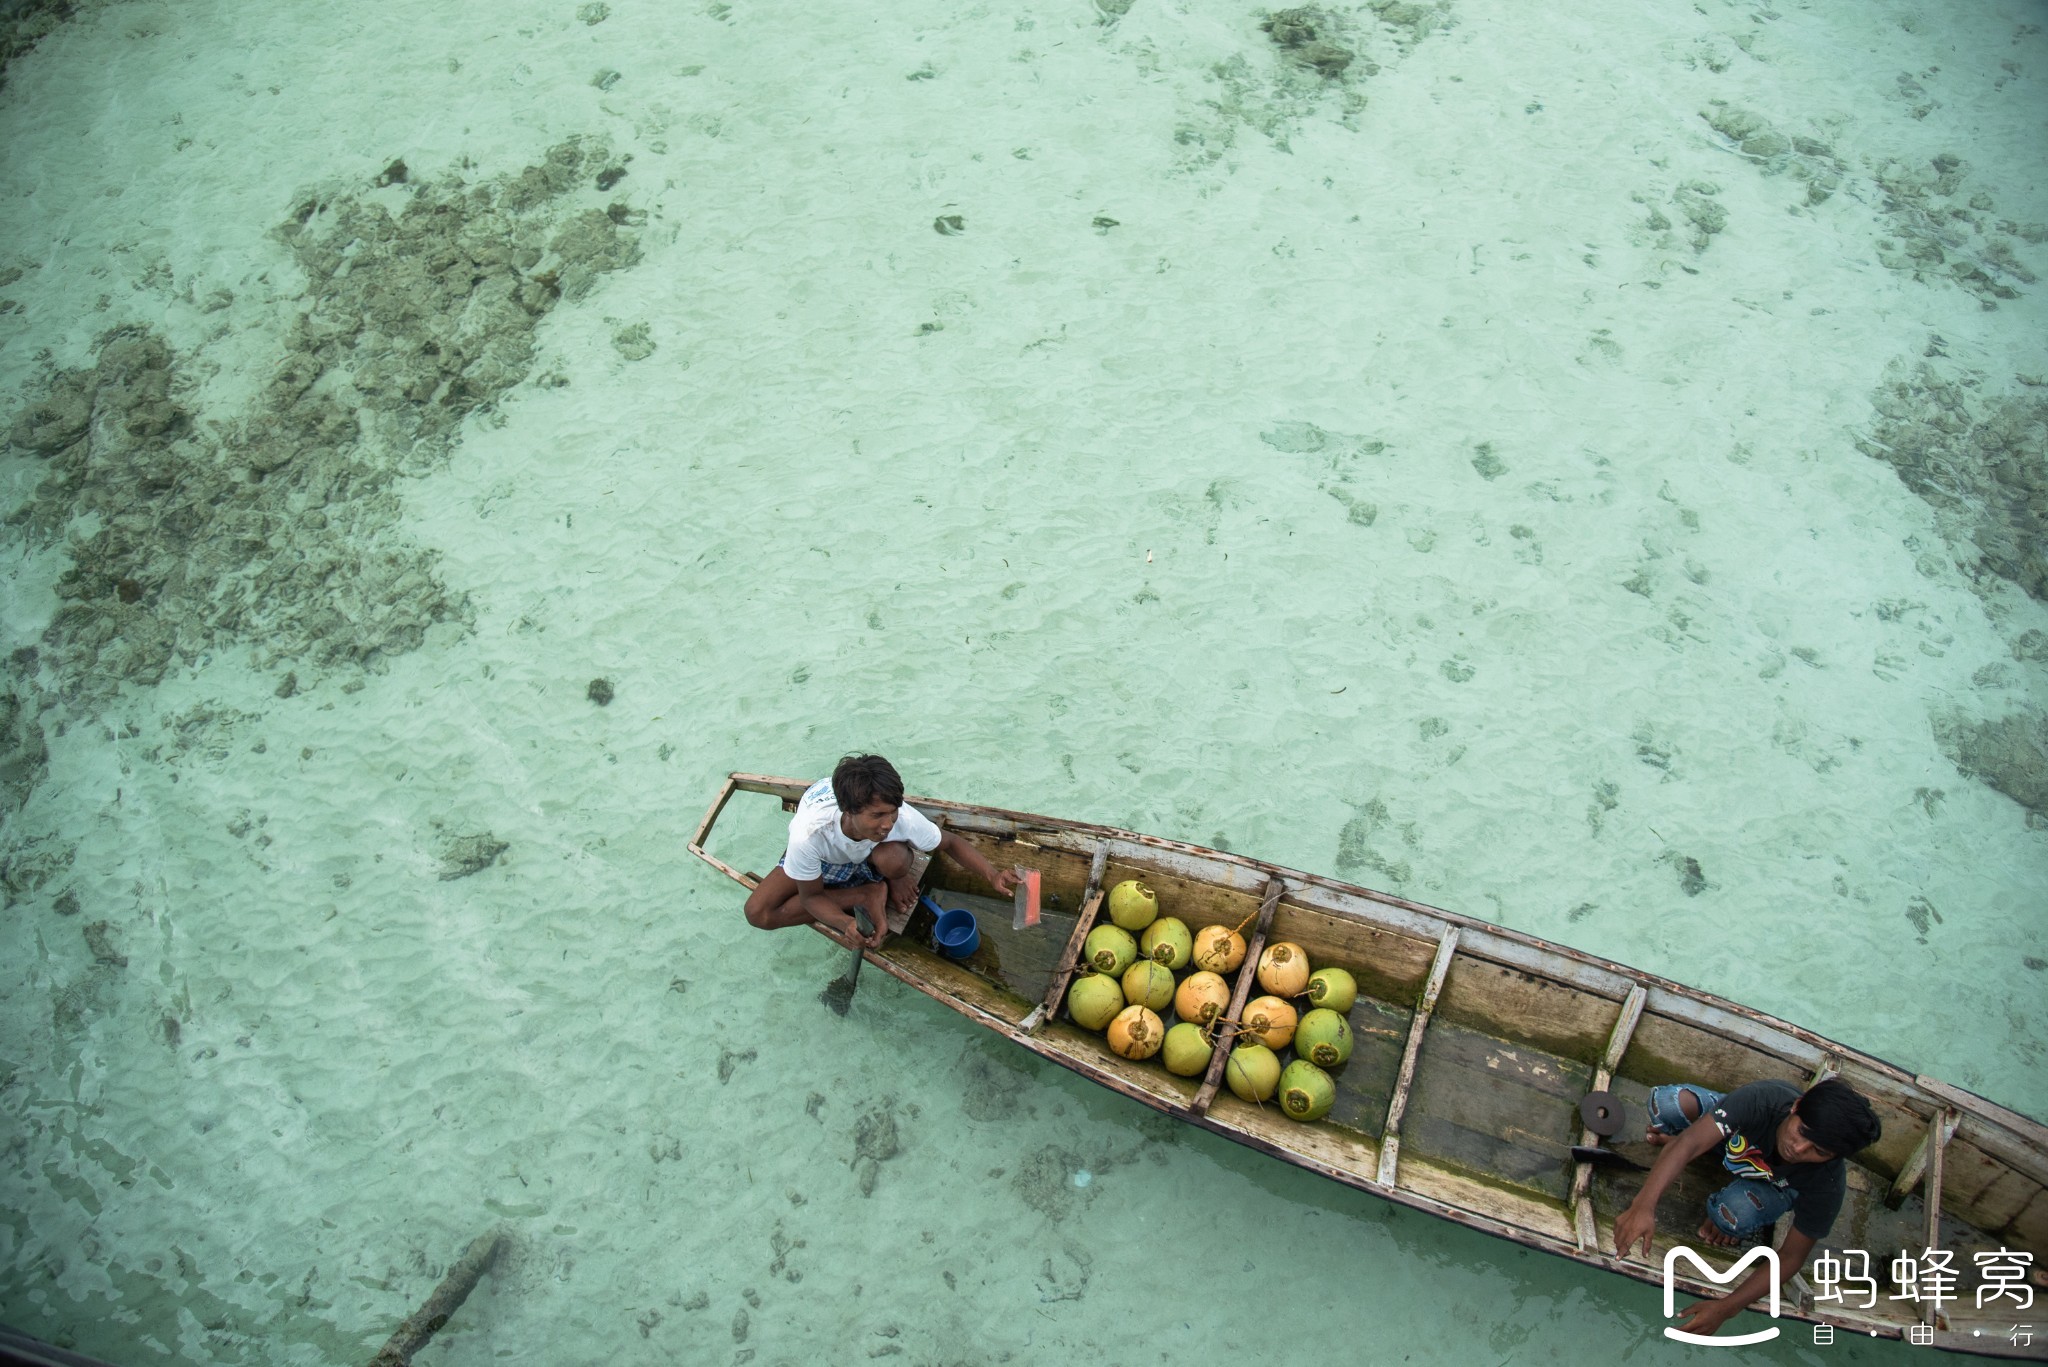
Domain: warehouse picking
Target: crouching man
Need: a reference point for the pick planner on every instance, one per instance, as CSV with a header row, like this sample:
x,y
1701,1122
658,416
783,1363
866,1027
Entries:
x,y
853,848
1786,1150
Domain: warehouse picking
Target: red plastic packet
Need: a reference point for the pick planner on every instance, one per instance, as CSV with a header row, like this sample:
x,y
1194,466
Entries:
x,y
1026,899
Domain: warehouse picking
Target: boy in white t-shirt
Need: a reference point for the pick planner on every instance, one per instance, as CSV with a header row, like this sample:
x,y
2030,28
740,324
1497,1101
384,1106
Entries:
x,y
851,846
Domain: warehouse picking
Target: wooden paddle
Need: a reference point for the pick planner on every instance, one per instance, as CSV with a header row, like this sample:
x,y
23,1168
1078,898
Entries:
x,y
838,993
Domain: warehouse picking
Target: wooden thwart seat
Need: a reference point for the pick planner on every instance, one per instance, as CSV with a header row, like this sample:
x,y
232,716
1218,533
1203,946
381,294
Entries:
x,y
1603,1078
1247,974
1390,1143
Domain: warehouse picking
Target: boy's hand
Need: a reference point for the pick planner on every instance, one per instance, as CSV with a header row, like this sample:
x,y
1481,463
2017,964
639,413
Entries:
x,y
1634,1226
1005,881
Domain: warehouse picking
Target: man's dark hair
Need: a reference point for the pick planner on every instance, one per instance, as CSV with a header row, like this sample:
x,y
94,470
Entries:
x,y
860,781
1837,1118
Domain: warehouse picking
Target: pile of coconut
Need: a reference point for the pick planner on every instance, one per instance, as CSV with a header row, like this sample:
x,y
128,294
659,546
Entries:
x,y
1133,960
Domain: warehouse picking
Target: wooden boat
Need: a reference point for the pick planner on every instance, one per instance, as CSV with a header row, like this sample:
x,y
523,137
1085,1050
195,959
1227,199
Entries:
x,y
1474,1046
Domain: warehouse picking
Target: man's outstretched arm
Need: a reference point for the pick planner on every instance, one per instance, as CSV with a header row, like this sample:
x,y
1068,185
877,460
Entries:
x,y
963,853
1707,1317
1639,1221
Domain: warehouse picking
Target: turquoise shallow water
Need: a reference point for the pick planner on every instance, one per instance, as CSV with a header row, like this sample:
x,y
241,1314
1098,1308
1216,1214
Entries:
x,y
1472,473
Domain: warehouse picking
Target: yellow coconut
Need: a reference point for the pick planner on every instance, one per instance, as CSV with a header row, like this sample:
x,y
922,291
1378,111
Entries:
x,y
1270,1021
1187,1051
1201,998
1136,1033
1219,949
1283,969
1253,1072
1148,985
1132,905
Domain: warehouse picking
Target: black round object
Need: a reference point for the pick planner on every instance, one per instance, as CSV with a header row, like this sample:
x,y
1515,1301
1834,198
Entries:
x,y
1602,1112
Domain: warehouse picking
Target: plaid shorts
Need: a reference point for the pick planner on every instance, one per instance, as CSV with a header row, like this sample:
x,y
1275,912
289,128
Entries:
x,y
847,875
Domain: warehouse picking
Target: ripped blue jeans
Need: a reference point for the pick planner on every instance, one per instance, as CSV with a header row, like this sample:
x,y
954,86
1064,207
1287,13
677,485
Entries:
x,y
1745,1208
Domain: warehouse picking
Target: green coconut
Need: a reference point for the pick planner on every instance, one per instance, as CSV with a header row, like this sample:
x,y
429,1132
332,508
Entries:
x,y
1253,1072
1306,1091
1110,949
1187,1050
1323,1038
1332,987
1094,1000
1149,985
1168,941
1132,905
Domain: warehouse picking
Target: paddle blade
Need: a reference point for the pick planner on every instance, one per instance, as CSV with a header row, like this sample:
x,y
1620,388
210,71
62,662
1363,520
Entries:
x,y
838,993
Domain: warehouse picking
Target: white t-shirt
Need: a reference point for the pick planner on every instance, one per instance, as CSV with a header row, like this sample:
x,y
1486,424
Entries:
x,y
820,848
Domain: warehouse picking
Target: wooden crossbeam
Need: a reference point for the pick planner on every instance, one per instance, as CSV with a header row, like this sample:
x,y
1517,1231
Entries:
x,y
1603,1078
1098,864
1940,1131
1390,1144
1931,1139
1247,972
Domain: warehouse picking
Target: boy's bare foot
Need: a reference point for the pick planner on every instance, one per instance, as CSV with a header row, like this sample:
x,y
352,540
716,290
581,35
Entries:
x,y
1652,1137
1710,1233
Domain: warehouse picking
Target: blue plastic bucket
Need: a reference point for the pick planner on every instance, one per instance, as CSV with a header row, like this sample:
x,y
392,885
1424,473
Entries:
x,y
956,934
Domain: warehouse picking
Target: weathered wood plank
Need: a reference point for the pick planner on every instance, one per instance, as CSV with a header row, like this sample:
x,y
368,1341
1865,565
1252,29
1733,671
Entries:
x,y
2029,1228
1247,973
1994,1204
1516,1004
1390,1143
1667,1050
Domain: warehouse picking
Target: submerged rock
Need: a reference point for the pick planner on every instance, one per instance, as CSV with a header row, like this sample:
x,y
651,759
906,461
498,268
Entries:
x,y
277,529
2009,754
1978,457
464,855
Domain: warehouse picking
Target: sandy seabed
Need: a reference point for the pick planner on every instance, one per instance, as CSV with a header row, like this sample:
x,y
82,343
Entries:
x,y
1584,469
